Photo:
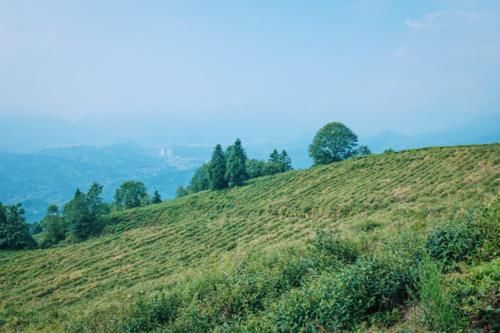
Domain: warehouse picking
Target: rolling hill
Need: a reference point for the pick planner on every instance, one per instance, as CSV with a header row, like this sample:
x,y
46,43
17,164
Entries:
x,y
144,251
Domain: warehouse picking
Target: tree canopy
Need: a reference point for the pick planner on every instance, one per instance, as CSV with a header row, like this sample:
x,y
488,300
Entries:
x,y
55,227
82,213
232,168
217,170
236,171
156,198
333,143
131,194
200,180
14,231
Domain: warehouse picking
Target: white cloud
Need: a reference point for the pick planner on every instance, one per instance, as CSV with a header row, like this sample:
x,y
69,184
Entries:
x,y
436,19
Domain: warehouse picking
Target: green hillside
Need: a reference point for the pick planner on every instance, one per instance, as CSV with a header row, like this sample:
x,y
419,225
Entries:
x,y
368,201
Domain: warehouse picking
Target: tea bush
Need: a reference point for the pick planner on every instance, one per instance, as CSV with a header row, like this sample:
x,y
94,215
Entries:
x,y
329,249
452,243
478,295
475,239
341,300
438,311
487,226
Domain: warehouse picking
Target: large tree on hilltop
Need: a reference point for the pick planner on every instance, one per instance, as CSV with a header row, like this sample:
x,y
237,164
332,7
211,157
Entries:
x,y
333,143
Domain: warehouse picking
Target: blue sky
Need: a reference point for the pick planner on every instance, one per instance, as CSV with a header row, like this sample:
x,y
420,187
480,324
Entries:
x,y
410,66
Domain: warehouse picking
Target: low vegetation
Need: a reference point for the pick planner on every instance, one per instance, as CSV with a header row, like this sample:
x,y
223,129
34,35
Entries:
x,y
395,242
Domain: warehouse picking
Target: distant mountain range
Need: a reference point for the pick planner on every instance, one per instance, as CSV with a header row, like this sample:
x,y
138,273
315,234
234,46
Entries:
x,y
482,130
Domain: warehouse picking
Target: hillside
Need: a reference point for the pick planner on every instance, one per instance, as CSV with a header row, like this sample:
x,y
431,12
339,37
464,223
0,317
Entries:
x,y
50,176
153,248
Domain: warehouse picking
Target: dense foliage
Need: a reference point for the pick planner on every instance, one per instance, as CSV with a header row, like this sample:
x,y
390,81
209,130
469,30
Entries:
x,y
14,231
236,157
55,227
131,194
79,219
217,170
334,142
232,168
156,199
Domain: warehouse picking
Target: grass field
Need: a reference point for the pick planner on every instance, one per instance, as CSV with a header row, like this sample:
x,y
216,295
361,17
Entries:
x,y
146,250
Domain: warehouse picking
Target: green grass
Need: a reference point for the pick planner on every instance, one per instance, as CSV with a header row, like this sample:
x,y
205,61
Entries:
x,y
152,249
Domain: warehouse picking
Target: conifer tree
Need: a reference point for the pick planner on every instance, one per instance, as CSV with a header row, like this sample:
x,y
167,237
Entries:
x,y
156,198
217,169
76,213
285,160
236,172
95,202
275,157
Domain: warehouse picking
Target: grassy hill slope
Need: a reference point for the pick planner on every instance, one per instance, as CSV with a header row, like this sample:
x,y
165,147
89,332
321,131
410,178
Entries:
x,y
149,249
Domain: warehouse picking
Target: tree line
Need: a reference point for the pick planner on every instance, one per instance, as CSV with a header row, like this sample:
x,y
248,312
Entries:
x,y
80,218
231,167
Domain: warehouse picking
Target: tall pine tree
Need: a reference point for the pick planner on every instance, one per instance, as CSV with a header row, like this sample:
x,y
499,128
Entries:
x,y
275,157
156,198
217,169
236,158
286,161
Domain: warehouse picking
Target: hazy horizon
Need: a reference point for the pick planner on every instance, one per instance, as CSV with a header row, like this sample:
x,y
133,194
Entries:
x,y
274,70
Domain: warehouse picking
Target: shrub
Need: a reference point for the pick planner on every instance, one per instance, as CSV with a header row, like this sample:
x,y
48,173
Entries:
x,y
478,295
329,249
148,314
220,298
452,243
476,238
341,300
487,226
435,303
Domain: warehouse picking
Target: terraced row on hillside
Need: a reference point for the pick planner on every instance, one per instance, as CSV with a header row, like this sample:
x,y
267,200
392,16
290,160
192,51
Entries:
x,y
150,248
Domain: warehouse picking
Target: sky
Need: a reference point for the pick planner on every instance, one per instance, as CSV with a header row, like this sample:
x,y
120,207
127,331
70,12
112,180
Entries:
x,y
262,67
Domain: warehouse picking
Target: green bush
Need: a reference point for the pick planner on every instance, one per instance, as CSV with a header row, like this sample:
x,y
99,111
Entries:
x,y
487,226
220,298
329,249
438,313
452,243
475,239
341,300
148,314
478,295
